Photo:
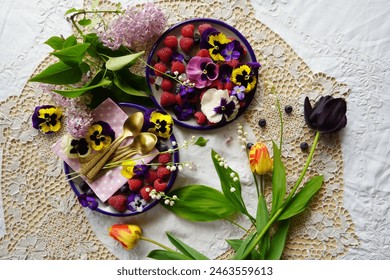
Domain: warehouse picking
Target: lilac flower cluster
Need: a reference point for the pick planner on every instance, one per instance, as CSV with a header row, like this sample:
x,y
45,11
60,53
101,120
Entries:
x,y
135,28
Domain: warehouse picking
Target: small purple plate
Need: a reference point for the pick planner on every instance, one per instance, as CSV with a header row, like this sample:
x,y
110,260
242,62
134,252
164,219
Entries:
x,y
229,32
106,209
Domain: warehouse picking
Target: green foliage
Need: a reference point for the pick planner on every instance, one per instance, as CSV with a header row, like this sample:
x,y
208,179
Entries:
x,y
278,180
201,141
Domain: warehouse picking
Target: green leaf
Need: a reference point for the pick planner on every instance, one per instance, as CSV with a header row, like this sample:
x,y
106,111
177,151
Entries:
x,y
200,203
72,10
242,251
70,41
201,141
228,184
262,219
72,55
76,92
236,243
137,81
84,22
120,62
185,249
167,255
56,42
278,181
127,88
300,201
278,241
59,74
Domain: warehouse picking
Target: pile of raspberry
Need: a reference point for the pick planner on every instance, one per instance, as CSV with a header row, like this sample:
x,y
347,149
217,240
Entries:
x,y
187,46
156,177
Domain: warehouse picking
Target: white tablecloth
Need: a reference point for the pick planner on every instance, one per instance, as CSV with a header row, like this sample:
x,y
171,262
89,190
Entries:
x,y
348,40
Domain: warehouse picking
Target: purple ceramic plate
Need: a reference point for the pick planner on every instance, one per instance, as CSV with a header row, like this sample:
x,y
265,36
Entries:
x,y
106,209
247,56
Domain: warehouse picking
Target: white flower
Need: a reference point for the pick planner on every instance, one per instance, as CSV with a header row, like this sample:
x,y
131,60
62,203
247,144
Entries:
x,y
216,104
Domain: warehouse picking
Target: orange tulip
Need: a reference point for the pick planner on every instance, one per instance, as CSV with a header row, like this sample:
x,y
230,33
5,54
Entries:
x,y
259,159
127,235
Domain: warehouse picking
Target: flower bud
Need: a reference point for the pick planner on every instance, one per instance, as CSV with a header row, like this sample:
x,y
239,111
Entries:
x,y
127,235
259,159
327,115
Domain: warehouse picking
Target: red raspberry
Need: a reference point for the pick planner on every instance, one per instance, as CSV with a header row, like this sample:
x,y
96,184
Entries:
x,y
166,85
135,184
200,118
203,53
145,192
160,68
203,27
179,101
233,63
151,176
160,185
178,66
167,99
163,172
186,44
216,84
165,54
171,41
118,202
229,86
188,30
164,158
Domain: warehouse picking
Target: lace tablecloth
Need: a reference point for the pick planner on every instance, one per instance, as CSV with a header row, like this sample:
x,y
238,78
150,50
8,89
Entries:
x,y
305,50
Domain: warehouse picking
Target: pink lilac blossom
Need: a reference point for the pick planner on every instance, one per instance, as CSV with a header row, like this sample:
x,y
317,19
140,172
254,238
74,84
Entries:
x,y
78,118
135,29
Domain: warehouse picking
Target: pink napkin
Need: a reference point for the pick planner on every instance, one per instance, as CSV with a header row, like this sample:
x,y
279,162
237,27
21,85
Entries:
x,y
105,186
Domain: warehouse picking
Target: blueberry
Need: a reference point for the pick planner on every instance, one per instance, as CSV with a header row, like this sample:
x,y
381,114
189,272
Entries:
x,y
90,192
304,146
161,147
196,38
187,57
249,145
288,109
84,186
124,188
262,122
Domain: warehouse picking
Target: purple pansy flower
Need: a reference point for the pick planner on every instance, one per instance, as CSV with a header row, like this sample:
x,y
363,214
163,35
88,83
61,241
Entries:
x,y
75,148
187,92
239,92
230,52
135,203
225,72
218,105
88,201
178,57
140,170
183,112
202,71
47,118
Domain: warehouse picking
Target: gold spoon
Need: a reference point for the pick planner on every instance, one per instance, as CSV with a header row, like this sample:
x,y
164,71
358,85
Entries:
x,y
142,144
92,165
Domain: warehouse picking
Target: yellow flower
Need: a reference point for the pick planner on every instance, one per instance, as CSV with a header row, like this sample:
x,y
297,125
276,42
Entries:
x,y
218,43
128,169
100,135
47,118
127,235
161,124
259,159
243,76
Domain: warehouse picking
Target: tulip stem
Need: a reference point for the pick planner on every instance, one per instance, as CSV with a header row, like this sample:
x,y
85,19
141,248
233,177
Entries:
x,y
157,243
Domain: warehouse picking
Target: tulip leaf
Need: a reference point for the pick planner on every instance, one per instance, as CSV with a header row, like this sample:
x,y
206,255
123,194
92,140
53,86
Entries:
x,y
278,181
262,219
167,255
278,241
76,92
59,74
200,203
300,201
185,249
72,55
120,62
231,187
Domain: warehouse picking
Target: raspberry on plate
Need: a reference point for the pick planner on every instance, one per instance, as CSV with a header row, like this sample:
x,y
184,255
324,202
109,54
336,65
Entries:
x,y
167,99
160,68
178,67
165,54
188,30
166,85
200,118
163,172
164,158
171,41
118,202
186,44
135,184
160,185
145,192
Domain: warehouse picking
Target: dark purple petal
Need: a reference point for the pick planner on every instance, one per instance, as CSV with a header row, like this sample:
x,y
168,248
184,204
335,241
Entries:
x,y
205,34
212,71
140,170
327,116
183,112
36,121
107,130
